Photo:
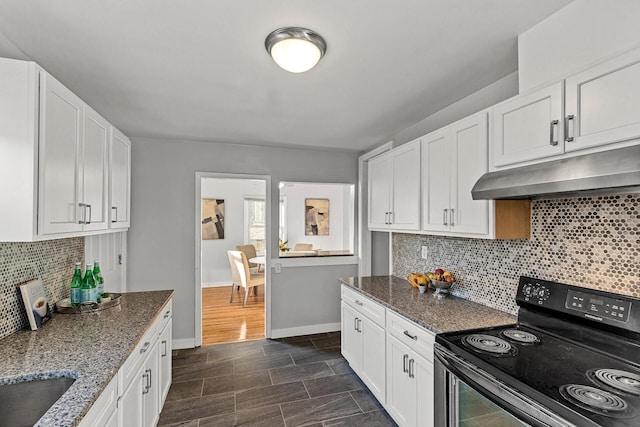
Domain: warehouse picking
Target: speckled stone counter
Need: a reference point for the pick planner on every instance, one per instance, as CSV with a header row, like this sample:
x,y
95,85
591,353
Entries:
x,y
88,347
437,315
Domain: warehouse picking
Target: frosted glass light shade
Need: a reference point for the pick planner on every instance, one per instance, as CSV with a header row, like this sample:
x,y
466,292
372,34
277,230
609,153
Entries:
x,y
295,49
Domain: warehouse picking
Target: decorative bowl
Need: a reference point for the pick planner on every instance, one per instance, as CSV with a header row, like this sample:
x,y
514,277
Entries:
x,y
442,288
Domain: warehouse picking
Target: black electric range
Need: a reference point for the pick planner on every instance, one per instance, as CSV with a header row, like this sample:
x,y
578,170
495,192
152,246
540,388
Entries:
x,y
574,353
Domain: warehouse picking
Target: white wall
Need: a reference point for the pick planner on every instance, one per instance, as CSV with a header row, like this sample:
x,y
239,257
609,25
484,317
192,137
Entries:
x,y
215,264
161,240
579,35
339,217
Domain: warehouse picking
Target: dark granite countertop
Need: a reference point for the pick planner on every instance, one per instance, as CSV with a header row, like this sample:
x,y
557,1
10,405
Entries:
x,y
88,347
437,315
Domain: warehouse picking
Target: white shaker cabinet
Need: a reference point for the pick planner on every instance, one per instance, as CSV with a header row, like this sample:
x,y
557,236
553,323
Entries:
x,y
603,103
363,340
394,189
528,127
119,179
164,354
453,159
95,169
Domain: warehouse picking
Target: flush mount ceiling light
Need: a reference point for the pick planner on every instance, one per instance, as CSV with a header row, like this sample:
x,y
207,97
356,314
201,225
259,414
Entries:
x,y
295,49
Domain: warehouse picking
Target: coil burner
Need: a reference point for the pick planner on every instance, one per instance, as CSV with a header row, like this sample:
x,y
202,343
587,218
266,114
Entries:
x,y
489,344
597,400
523,337
621,381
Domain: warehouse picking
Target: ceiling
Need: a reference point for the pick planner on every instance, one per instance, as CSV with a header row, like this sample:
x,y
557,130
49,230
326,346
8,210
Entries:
x,y
198,69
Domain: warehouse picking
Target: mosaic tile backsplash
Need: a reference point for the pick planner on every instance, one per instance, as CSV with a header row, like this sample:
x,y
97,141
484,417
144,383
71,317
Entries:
x,y
593,242
52,261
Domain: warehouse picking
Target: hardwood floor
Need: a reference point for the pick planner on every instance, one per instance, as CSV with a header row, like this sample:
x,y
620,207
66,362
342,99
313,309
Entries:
x,y
224,323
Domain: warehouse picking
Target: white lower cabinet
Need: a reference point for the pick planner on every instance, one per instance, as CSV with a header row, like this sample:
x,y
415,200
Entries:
x,y
104,412
164,352
363,341
392,355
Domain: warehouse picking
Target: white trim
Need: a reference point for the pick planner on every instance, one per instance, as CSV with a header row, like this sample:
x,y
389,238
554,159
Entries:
x,y
177,344
305,330
364,235
315,261
198,253
218,284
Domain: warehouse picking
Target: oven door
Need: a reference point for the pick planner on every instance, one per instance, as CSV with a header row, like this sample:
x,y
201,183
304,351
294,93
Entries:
x,y
468,396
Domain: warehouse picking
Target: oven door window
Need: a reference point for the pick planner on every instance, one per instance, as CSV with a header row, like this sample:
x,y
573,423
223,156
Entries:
x,y
475,410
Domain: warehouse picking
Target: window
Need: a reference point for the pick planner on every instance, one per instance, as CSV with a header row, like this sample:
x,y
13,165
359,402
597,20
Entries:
x,y
254,218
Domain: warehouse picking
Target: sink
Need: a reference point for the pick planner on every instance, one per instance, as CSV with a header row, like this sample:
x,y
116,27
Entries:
x,y
22,404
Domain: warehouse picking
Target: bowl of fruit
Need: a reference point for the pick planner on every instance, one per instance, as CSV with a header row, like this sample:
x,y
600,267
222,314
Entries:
x,y
441,280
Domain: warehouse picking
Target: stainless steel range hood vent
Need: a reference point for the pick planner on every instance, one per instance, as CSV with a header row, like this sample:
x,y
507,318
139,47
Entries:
x,y
613,171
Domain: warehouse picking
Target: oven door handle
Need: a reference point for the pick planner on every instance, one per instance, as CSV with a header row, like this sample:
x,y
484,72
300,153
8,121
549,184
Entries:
x,y
498,393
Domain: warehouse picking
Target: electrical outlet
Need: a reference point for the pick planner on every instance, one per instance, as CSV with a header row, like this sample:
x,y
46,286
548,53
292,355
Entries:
x,y
425,252
278,268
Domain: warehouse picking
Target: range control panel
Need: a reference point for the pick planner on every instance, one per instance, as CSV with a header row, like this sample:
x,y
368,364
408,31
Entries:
x,y
535,293
597,306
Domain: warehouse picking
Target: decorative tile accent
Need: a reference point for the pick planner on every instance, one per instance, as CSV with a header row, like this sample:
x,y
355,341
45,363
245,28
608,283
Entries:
x,y
593,242
51,260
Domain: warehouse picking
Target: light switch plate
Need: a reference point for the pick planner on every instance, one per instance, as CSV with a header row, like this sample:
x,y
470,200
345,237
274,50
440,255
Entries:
x,y
425,252
278,267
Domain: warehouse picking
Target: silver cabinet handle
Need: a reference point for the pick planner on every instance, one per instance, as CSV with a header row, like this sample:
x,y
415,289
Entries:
x,y
145,390
88,206
411,364
452,216
167,314
444,216
150,376
359,323
553,137
145,347
116,216
568,128
355,323
413,337
390,218
405,359
164,348
359,302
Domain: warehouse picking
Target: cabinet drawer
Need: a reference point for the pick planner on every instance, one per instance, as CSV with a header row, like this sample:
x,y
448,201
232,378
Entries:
x,y
137,357
415,337
165,316
374,311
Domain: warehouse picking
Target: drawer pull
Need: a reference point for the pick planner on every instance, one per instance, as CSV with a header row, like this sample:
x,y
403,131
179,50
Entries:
x,y
164,346
413,337
355,323
405,359
411,364
359,303
145,347
167,314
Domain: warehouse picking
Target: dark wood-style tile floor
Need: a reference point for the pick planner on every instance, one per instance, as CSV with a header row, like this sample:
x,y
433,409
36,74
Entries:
x,y
300,381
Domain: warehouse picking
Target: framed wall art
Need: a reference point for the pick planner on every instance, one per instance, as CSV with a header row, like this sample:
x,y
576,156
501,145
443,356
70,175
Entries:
x,y
316,217
212,219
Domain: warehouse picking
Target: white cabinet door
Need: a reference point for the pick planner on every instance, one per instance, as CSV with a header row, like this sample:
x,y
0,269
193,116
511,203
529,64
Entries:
x,y
120,180
164,351
603,103
528,127
424,383
130,404
151,391
469,161
351,339
405,190
373,358
60,156
401,398
436,180
94,170
379,171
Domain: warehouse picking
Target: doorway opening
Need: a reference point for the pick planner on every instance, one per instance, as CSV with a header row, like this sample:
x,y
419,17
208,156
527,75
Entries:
x,y
232,247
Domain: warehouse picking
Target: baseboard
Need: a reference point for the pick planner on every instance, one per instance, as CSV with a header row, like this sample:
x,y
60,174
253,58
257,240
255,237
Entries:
x,y
215,284
181,343
305,330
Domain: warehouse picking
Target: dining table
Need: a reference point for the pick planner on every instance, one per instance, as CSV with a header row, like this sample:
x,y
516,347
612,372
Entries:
x,y
260,260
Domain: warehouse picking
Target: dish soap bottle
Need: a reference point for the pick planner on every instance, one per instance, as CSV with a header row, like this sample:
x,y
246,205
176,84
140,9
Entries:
x,y
76,283
97,276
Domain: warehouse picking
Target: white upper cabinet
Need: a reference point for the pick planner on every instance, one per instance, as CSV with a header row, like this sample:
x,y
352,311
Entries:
x,y
453,159
394,189
120,179
528,127
603,103
54,158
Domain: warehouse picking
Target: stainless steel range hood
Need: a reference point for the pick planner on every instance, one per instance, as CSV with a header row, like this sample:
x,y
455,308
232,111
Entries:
x,y
612,171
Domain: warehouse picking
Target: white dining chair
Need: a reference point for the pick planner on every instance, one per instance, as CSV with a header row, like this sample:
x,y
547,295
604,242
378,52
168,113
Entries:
x,y
242,277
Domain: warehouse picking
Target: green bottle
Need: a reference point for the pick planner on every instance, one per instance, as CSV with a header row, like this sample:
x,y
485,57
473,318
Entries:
x,y
76,283
97,276
88,288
